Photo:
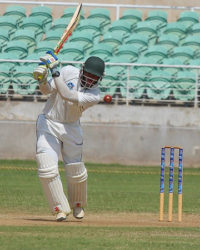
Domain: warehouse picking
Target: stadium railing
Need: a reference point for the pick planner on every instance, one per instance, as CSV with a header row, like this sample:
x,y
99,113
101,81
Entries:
x,y
135,83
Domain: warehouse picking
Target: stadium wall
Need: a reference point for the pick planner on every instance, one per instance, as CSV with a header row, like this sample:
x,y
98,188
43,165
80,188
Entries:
x,y
131,135
58,8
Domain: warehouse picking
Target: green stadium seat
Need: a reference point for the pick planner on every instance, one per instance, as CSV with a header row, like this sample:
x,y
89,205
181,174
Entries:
x,y
158,52
135,86
43,12
129,50
15,11
184,86
53,35
100,50
91,26
18,47
23,82
27,36
168,40
192,42
176,28
110,82
5,78
63,58
101,14
74,49
35,57
44,46
121,26
35,24
101,55
183,52
138,40
4,37
194,62
84,37
159,85
158,17
9,56
9,23
69,12
112,39
188,18
133,16
120,59
18,12
171,62
146,60
195,29
60,24
148,29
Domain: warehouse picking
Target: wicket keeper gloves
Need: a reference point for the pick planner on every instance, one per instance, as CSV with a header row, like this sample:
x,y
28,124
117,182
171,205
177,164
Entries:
x,y
40,73
51,61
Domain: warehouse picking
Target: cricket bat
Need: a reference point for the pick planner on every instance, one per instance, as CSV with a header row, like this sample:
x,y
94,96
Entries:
x,y
68,31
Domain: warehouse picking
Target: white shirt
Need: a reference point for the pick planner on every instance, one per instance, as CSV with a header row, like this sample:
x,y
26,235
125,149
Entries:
x,y
64,111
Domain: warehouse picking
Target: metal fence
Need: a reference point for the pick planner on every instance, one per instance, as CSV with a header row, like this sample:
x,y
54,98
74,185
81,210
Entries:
x,y
127,83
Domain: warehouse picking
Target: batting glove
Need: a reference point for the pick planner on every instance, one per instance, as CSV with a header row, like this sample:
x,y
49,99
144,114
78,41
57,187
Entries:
x,y
41,73
51,61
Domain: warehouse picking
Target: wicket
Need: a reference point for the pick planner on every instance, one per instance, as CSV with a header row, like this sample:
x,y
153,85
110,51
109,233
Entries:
x,y
171,183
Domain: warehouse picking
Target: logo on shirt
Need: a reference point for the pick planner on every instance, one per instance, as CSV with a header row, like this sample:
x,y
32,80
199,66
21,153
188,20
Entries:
x,y
70,85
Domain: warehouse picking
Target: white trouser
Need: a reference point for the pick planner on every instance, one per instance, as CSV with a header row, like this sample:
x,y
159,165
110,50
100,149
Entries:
x,y
53,138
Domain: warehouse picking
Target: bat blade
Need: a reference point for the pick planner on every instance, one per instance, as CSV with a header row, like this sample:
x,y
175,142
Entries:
x,y
68,31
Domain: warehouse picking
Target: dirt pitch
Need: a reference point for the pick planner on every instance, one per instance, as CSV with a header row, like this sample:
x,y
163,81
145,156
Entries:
x,y
101,220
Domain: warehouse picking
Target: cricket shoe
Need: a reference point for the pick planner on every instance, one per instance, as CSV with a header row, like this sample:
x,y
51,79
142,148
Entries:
x,y
60,216
78,212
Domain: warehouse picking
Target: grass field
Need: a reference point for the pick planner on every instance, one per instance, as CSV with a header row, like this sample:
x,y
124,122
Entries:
x,y
122,211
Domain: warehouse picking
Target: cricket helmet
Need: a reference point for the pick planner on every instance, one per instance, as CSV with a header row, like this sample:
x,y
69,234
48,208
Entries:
x,y
94,66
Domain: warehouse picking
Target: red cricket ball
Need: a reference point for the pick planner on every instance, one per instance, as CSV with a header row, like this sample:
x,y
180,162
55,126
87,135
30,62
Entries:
x,y
107,98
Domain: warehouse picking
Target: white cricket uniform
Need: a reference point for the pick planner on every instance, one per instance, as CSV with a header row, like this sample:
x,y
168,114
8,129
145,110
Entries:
x,y
58,127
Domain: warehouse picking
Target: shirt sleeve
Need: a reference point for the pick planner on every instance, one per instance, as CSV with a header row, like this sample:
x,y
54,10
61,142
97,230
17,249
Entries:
x,y
47,87
87,100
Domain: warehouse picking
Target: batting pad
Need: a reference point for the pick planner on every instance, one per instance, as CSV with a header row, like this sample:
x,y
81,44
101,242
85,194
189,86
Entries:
x,y
51,184
76,176
47,167
53,190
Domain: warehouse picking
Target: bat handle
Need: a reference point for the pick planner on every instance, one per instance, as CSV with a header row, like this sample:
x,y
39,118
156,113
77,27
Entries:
x,y
55,72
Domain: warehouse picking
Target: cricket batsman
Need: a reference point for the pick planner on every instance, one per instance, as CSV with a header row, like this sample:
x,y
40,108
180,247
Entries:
x,y
71,91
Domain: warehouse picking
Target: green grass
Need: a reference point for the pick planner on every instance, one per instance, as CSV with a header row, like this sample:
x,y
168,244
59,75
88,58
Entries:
x,y
51,237
111,188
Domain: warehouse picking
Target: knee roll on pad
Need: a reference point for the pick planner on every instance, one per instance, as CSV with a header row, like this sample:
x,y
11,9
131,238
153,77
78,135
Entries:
x,y
76,176
47,167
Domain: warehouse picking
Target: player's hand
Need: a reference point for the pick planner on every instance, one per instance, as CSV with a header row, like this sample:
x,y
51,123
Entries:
x,y
40,73
50,60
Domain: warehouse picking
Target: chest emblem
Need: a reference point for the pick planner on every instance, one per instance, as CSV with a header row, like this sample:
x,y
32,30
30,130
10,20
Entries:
x,y
70,85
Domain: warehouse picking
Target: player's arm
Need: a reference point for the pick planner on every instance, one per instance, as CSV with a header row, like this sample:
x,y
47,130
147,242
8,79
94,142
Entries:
x,y
51,62
41,74
64,91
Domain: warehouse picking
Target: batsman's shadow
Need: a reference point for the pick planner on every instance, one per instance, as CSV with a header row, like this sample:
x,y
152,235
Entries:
x,y
52,220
